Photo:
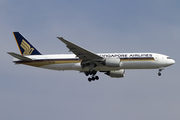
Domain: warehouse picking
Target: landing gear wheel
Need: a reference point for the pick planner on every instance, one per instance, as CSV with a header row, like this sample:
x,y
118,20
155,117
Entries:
x,y
160,70
89,79
93,78
159,74
96,77
86,74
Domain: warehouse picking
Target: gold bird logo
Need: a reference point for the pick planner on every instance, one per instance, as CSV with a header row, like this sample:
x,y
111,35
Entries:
x,y
27,48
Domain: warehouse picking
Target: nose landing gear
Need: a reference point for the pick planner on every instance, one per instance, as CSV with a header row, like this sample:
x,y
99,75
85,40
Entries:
x,y
159,73
160,69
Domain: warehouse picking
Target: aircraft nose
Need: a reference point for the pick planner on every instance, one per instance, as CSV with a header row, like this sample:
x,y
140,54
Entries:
x,y
173,61
170,62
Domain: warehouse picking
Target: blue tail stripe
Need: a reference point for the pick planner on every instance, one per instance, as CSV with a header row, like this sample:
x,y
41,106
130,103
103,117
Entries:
x,y
24,46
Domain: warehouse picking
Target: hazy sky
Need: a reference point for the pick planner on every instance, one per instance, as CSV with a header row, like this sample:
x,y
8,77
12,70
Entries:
x,y
29,93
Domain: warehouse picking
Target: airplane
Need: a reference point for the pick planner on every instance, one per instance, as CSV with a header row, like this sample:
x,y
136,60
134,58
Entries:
x,y
112,64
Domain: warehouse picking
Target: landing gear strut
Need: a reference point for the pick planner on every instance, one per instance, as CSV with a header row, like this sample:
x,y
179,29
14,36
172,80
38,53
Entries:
x,y
93,77
160,69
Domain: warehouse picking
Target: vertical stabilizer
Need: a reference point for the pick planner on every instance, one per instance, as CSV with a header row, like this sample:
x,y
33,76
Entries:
x,y
24,46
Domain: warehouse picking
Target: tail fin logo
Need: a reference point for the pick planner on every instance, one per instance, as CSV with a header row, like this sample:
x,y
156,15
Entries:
x,y
27,48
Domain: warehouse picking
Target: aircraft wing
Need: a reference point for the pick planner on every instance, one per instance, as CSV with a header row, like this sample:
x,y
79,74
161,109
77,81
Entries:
x,y
80,52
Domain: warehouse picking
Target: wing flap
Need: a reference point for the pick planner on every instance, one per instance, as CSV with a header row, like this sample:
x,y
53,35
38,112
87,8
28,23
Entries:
x,y
20,57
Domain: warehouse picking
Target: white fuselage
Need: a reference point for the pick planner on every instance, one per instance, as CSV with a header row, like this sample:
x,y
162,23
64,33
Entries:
x,y
71,62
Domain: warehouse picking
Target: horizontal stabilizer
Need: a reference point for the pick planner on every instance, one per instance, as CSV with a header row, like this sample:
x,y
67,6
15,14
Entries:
x,y
20,57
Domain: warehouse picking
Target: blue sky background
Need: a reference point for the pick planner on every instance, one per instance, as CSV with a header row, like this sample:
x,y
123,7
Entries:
x,y
100,26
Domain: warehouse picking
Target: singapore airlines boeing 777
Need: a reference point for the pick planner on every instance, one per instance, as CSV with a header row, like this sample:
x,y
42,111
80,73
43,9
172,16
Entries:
x,y
112,64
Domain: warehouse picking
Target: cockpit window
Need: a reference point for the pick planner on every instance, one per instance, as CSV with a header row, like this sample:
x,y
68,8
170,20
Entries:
x,y
169,58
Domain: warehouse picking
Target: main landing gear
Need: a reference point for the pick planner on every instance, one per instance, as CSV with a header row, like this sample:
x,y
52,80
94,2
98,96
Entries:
x,y
93,77
160,69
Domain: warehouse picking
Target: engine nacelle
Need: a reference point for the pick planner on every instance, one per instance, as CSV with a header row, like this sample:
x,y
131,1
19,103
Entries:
x,y
116,73
112,62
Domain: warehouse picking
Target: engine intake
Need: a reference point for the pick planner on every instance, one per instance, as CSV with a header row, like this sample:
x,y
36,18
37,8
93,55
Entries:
x,y
116,73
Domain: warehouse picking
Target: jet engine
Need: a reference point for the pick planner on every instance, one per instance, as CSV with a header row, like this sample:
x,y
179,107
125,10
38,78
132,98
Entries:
x,y
112,62
116,73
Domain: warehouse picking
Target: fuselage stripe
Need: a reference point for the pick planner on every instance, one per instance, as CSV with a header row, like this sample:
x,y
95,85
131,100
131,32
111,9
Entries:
x,y
42,62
